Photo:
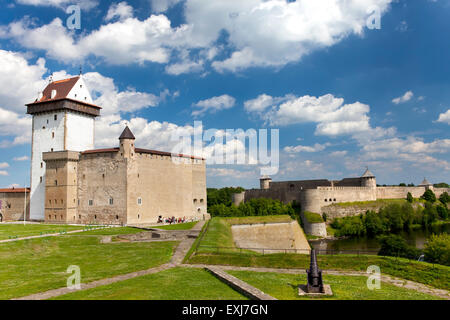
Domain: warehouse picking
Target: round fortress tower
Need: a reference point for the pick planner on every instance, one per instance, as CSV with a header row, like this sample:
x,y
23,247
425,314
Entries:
x,y
368,179
264,182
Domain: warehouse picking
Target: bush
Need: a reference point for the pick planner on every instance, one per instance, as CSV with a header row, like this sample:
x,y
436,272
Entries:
x,y
349,226
442,212
221,196
437,249
429,196
409,197
254,207
396,246
444,198
430,215
374,224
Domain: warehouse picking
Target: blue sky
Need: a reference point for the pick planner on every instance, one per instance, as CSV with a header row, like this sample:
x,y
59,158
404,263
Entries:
x,y
342,96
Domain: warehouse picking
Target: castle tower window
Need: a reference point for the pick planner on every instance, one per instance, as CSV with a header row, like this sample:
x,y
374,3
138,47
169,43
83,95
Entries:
x,y
55,117
40,178
49,217
79,216
42,165
195,200
53,135
103,175
202,200
95,217
326,200
139,217
331,199
117,217
51,150
56,182
111,201
139,201
334,199
91,202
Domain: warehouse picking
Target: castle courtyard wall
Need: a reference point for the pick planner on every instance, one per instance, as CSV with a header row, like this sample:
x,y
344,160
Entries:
x,y
12,205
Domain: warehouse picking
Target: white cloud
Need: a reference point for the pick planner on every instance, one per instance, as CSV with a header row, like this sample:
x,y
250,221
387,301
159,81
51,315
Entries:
x,y
406,97
444,117
332,116
4,165
3,173
214,104
339,153
16,126
119,10
63,4
163,5
316,148
292,29
23,158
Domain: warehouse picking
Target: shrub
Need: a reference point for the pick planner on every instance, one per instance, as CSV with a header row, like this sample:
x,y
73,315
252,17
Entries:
x,y
396,246
409,197
430,215
374,224
444,198
429,195
350,226
254,207
437,249
221,196
442,212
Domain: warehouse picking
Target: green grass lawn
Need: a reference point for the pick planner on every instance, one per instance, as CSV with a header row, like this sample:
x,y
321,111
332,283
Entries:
x,y
113,231
32,266
285,287
372,204
172,284
27,230
178,226
435,275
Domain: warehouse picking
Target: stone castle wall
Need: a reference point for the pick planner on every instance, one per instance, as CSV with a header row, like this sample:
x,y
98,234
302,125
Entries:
x,y
123,187
12,205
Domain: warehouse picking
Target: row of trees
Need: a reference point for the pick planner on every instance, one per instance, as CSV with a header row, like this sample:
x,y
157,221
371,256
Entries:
x,y
221,196
390,219
254,207
436,250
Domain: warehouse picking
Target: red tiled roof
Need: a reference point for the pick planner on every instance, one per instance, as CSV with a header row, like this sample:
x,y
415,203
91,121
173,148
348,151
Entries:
x,y
62,88
162,153
100,151
139,150
14,190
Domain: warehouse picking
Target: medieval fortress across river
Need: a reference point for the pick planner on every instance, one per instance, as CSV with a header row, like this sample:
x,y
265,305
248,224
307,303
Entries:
x,y
71,182
318,196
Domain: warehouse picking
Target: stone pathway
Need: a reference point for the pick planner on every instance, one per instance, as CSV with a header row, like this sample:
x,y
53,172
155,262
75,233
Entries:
x,y
239,285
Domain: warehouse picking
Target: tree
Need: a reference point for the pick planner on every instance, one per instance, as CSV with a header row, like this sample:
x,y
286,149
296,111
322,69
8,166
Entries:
x,y
374,224
396,246
429,196
442,212
402,184
430,214
437,249
444,198
441,185
409,197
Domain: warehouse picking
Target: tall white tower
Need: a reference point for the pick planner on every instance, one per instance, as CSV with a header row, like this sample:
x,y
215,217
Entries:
x,y
63,119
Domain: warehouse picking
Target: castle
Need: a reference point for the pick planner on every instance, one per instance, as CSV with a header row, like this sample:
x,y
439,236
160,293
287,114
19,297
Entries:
x,y
71,182
317,195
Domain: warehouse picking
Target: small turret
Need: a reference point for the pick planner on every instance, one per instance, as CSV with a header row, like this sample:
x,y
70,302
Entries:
x,y
425,183
264,182
368,179
127,143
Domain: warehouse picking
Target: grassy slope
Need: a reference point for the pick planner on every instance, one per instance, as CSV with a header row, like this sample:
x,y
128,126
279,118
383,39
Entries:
x,y
178,226
112,231
27,230
219,232
370,204
435,275
37,265
285,287
172,284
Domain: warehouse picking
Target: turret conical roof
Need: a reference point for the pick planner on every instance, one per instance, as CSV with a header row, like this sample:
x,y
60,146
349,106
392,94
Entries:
x,y
367,174
127,134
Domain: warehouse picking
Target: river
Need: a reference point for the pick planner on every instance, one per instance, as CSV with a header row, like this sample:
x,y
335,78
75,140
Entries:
x,y
416,237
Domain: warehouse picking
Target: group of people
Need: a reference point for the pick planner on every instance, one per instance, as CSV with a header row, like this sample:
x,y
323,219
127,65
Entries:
x,y
171,220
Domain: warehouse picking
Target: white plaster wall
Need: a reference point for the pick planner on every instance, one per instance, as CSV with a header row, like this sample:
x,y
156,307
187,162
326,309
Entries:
x,y
80,132
43,127
80,92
